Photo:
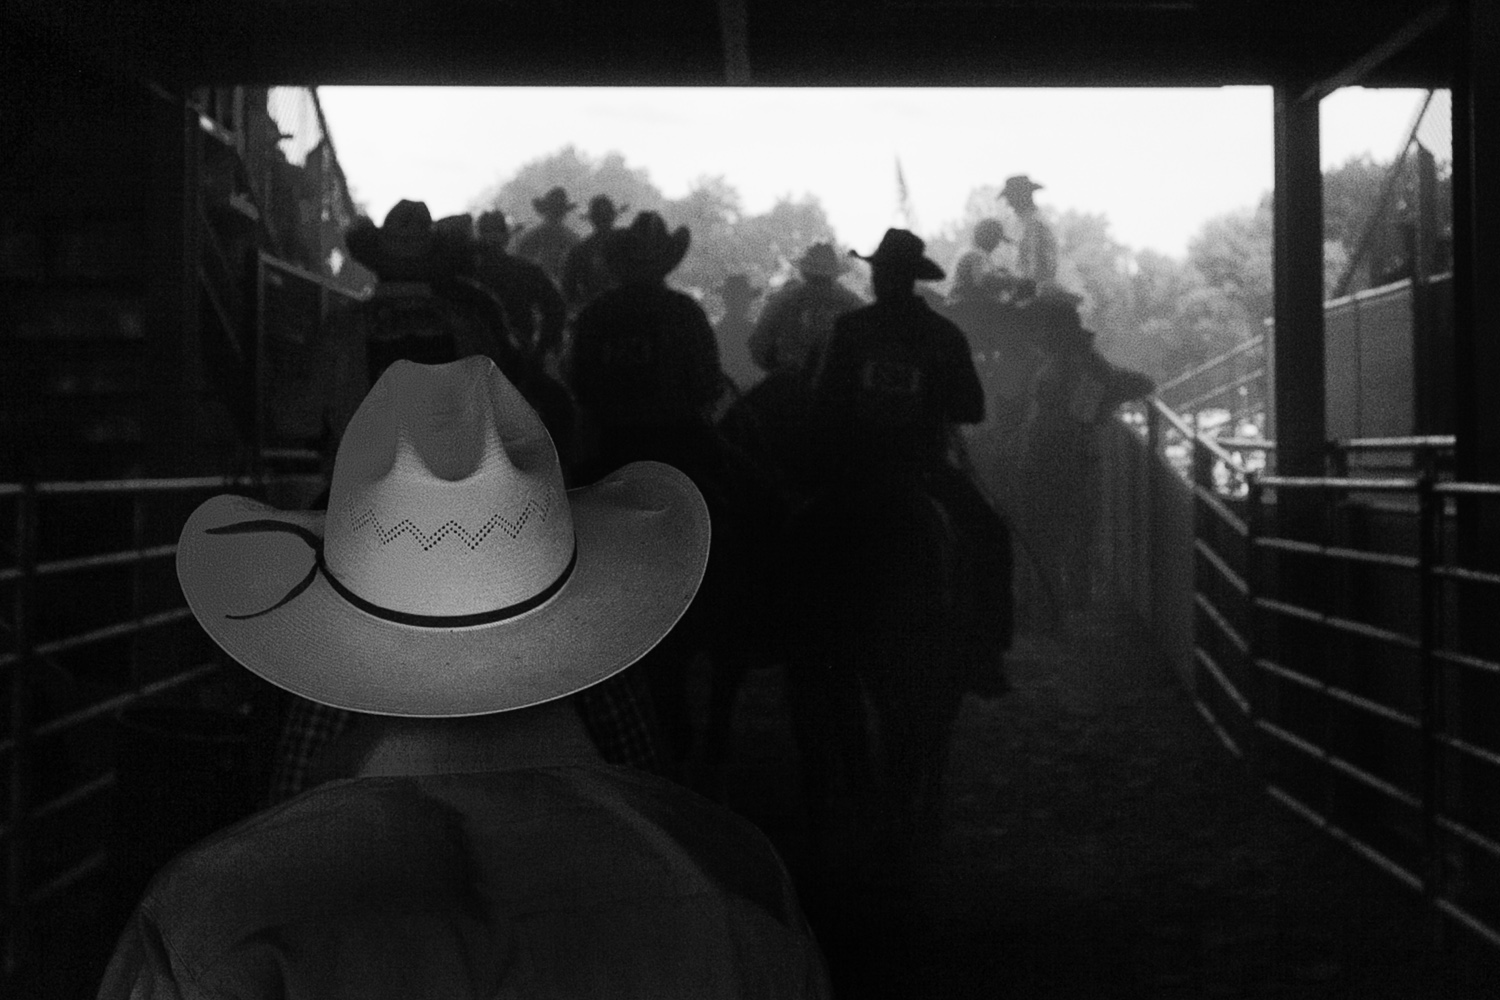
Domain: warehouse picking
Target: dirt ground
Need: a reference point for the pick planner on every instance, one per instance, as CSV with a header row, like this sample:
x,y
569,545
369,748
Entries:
x,y
1099,842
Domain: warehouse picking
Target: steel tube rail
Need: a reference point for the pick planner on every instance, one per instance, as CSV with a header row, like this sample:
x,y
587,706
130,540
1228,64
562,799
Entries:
x,y
1427,442
1217,729
1338,624
1462,575
111,632
1246,444
1345,555
1259,340
1338,833
1208,663
1467,489
105,560
1348,485
1229,517
1223,568
1220,390
1222,624
1341,765
1465,660
1337,693
1457,745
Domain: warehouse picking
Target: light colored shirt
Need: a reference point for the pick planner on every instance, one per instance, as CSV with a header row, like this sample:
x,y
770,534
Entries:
x,y
561,880
1036,254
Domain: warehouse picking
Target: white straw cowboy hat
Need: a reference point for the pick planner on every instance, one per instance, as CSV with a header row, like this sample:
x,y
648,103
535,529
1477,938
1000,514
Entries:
x,y
452,573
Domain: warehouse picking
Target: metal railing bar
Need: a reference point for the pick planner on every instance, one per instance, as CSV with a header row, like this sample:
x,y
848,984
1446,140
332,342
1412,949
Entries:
x,y
1465,660
11,489
1246,444
1218,506
1474,837
1259,340
1338,552
1221,623
121,701
105,559
1461,575
1468,489
111,632
71,798
1218,730
1344,837
1217,561
1226,387
1457,745
88,866
184,484
1171,416
1348,484
1341,765
1415,443
1468,920
1223,680
1336,623
113,704
1339,694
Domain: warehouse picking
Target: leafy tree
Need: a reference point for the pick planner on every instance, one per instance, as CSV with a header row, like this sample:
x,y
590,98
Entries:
x,y
578,174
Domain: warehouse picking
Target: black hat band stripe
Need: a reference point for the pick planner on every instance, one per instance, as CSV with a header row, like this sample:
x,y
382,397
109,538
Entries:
x,y
371,608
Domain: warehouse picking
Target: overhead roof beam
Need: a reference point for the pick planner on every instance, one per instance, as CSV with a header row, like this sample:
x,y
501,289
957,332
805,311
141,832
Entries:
x,y
1397,42
732,30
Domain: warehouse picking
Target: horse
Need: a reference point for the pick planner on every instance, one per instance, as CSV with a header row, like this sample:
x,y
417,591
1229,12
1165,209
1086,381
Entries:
x,y
872,607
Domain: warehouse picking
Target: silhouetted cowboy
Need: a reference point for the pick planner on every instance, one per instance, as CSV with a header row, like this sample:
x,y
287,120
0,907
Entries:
x,y
976,275
734,330
547,243
533,308
585,274
897,378
794,327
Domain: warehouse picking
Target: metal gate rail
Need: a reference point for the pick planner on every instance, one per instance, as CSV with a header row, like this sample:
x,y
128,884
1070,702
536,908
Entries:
x,y
1236,602
24,731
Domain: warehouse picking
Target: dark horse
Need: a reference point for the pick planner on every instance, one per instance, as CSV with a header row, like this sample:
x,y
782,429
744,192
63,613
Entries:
x,y
878,664
866,610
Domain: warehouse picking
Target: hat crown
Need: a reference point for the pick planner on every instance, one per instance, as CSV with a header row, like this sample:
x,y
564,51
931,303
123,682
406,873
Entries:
x,y
899,245
821,260
447,496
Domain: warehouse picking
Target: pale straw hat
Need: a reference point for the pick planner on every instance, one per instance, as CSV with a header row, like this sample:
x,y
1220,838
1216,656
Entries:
x,y
452,573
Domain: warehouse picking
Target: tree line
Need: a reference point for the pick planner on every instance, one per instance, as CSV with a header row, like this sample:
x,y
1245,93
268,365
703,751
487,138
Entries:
x,y
1154,312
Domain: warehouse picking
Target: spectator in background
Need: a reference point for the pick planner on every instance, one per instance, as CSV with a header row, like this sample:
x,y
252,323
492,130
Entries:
x,y
548,243
585,274
459,596
533,308
797,321
734,329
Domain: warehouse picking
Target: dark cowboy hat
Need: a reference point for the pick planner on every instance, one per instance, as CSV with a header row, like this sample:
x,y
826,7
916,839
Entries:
x,y
1018,186
905,251
645,249
553,205
820,261
406,247
602,208
494,226
738,287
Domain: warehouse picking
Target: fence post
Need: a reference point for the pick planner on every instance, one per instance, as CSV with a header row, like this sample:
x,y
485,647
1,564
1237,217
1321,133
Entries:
x,y
1434,880
20,729
1254,688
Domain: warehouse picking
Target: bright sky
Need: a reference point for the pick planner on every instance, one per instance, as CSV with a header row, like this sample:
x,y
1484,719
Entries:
x,y
1158,163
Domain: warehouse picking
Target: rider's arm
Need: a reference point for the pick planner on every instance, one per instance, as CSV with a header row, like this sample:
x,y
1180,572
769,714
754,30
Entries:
x,y
965,396
554,313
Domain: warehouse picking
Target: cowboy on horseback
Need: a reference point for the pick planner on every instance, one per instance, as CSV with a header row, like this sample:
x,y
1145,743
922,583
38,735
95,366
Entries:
x,y
797,321
896,379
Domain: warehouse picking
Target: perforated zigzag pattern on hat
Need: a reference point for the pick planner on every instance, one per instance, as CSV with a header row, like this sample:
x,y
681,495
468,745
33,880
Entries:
x,y
472,539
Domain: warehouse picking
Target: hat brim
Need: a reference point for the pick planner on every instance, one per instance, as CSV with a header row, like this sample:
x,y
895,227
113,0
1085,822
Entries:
x,y
923,268
642,545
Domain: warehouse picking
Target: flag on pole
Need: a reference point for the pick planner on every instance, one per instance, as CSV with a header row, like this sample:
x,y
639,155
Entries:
x,y
905,214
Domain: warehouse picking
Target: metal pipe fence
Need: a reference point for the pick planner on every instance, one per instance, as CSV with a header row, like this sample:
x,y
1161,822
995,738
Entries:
x,y
55,766
1338,665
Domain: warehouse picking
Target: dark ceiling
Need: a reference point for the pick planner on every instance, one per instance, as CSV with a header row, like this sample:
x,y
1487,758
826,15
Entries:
x,y
779,42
